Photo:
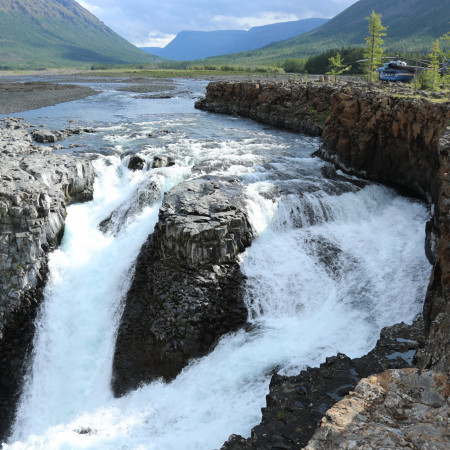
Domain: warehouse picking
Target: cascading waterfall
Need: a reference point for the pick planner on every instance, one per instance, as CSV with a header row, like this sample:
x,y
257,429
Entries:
x,y
335,260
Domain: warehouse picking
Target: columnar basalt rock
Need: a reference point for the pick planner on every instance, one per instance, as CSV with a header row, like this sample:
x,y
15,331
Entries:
x,y
186,290
35,188
392,140
295,106
436,311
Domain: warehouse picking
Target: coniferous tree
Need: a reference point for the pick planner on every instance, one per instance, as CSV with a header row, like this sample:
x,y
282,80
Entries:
x,y
445,41
337,67
374,50
434,63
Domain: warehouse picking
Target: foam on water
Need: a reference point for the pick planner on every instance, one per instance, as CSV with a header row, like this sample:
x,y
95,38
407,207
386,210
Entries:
x,y
332,264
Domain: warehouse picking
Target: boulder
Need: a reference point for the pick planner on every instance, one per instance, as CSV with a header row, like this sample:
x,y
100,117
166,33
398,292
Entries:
x,y
162,161
43,135
136,163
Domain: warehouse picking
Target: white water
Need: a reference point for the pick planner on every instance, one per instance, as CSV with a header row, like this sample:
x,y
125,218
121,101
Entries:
x,y
331,266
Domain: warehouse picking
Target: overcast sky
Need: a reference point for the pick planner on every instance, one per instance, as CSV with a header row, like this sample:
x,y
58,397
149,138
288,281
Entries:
x,y
154,23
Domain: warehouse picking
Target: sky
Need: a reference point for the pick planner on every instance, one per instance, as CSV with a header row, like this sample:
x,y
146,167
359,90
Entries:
x,y
154,23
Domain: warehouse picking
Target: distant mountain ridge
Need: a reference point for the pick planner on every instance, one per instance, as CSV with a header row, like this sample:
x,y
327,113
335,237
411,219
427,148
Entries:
x,y
191,45
413,26
55,33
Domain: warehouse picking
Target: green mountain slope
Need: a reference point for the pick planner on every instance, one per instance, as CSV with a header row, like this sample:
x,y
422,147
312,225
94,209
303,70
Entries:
x,y
413,26
56,33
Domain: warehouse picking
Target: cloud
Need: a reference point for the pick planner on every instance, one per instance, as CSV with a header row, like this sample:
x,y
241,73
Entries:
x,y
148,21
245,23
156,40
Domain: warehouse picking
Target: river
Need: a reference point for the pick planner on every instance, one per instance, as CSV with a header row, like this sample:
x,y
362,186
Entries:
x,y
335,260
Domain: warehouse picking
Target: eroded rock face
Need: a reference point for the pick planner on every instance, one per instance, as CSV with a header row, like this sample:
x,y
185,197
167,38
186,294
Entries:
x,y
392,140
293,105
404,408
186,291
436,310
35,188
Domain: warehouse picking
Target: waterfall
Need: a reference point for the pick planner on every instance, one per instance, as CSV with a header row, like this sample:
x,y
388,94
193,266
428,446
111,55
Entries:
x,y
334,261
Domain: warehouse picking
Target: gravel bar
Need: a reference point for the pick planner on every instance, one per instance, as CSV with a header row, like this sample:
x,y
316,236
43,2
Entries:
x,y
16,97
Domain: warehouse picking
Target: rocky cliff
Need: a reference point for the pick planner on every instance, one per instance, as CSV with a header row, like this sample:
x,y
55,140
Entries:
x,y
396,409
382,136
35,187
186,291
300,107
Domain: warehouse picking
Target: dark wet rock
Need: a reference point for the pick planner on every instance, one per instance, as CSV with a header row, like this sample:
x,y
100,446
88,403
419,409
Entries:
x,y
436,310
35,188
147,194
136,163
156,96
186,291
296,405
162,161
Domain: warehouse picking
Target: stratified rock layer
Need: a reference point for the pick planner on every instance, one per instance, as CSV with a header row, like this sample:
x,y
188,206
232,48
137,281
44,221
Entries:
x,y
35,188
186,291
396,409
296,106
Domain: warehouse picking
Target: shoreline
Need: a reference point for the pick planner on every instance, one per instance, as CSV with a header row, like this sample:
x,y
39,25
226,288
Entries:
x,y
17,97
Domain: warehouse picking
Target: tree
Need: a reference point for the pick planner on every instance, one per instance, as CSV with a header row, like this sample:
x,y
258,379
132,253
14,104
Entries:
x,y
374,51
434,64
445,41
336,66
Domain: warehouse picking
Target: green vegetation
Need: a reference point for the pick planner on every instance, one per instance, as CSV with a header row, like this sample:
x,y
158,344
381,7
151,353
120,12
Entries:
x,y
320,63
337,67
193,72
374,51
46,34
294,65
434,64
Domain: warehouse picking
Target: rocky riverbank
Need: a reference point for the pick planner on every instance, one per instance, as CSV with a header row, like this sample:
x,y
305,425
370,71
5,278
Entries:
x,y
35,188
395,140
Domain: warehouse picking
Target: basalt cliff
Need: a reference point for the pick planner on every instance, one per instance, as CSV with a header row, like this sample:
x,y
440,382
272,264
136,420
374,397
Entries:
x,y
405,143
36,186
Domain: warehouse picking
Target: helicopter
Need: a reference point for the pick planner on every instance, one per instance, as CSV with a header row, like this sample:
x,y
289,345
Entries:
x,y
399,70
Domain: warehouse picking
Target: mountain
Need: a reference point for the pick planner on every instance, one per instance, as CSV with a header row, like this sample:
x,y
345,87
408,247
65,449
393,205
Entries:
x,y
56,33
190,45
413,26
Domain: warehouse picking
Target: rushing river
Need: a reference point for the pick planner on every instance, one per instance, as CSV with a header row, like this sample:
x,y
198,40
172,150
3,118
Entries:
x,y
335,260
